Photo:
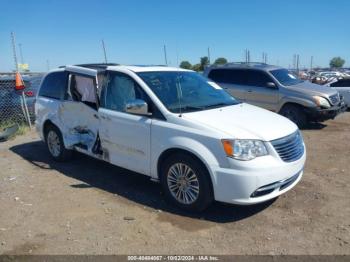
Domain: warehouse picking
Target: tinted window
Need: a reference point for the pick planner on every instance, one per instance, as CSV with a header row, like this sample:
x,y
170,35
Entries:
x,y
229,76
341,83
121,89
258,78
54,85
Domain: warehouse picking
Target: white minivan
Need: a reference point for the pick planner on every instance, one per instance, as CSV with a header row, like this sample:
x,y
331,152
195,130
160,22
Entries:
x,y
174,126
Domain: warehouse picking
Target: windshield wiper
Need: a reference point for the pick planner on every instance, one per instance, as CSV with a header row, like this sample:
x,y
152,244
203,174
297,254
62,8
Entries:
x,y
186,109
218,105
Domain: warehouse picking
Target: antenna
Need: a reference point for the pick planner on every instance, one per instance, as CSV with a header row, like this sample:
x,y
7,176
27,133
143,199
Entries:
x,y
165,55
104,50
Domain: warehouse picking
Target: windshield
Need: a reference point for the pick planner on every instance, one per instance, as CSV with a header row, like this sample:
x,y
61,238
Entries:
x,y
285,77
182,91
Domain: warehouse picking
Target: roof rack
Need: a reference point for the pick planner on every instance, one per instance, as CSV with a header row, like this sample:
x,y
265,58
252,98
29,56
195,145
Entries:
x,y
246,63
149,65
242,64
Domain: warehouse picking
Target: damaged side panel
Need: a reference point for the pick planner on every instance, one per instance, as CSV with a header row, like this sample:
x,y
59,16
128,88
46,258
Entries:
x,y
79,125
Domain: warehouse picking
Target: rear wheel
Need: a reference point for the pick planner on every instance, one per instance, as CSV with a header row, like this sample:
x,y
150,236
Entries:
x,y
55,145
295,114
186,182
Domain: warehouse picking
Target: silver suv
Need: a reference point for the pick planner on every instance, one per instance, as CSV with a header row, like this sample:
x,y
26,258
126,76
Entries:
x,y
278,90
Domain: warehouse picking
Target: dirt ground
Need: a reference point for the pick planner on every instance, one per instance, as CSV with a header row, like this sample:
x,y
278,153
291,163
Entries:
x,y
90,207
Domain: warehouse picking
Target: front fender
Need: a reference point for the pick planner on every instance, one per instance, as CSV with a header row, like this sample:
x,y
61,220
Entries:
x,y
295,100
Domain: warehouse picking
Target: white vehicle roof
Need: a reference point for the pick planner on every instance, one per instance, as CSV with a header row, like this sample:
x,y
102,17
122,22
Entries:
x,y
133,68
138,69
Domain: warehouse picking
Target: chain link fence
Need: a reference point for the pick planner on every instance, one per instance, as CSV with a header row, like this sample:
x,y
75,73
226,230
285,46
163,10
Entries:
x,y
12,107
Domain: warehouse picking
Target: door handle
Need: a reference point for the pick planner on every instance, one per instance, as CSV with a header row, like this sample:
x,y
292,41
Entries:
x,y
250,91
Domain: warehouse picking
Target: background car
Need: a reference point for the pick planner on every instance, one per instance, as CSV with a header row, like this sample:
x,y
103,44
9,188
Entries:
x,y
11,103
277,89
343,87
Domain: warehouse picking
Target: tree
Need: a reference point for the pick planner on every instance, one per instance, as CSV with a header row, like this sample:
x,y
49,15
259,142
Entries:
x,y
196,67
185,65
204,62
220,61
337,62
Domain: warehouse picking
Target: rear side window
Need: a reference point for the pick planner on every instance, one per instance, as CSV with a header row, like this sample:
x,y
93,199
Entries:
x,y
341,83
54,85
258,78
229,76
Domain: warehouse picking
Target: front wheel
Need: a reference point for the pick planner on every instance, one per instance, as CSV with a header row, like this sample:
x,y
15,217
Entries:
x,y
186,182
295,114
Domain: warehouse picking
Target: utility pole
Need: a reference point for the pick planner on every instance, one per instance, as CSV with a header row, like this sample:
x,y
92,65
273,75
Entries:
x,y
21,53
298,65
294,62
311,62
14,50
264,58
248,56
47,64
165,56
209,55
25,109
104,50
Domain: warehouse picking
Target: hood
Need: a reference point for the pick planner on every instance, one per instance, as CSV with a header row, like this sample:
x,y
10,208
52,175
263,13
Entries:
x,y
312,89
244,121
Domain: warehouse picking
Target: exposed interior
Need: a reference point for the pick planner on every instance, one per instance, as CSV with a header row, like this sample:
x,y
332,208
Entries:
x,y
78,113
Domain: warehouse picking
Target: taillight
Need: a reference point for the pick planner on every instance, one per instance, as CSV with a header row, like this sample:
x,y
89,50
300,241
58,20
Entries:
x,y
29,93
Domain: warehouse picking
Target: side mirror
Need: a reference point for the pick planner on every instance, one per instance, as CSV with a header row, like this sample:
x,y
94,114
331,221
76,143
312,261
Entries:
x,y
271,85
137,107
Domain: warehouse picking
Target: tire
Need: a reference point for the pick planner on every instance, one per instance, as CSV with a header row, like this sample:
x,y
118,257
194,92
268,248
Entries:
x,y
296,114
192,192
55,145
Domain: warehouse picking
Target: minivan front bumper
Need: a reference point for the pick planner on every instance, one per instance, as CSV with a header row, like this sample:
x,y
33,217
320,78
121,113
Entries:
x,y
252,185
319,114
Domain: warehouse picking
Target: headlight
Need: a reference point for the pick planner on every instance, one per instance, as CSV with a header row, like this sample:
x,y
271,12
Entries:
x,y
321,101
244,149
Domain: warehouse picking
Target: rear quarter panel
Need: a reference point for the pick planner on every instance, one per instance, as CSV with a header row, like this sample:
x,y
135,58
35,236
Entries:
x,y
46,109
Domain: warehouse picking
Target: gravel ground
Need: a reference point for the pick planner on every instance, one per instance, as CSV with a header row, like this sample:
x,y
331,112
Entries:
x,y
90,207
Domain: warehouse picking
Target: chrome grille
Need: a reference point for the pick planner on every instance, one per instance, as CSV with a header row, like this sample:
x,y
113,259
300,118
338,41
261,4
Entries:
x,y
289,148
335,99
